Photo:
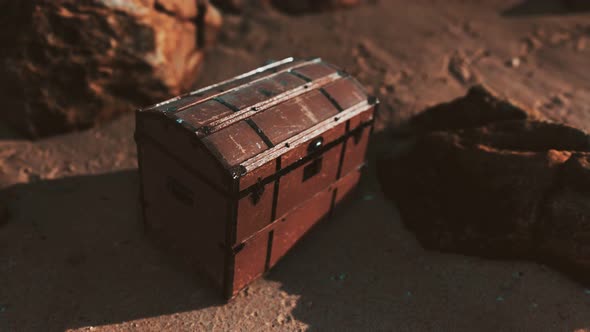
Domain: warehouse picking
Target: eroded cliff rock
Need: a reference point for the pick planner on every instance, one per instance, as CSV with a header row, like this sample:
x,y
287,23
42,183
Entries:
x,y
483,178
69,64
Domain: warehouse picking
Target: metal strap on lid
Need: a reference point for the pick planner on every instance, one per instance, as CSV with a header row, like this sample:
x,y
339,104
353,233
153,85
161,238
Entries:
x,y
251,110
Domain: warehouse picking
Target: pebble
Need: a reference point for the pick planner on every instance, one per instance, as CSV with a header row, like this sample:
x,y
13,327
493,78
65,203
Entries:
x,y
52,173
587,291
514,63
500,299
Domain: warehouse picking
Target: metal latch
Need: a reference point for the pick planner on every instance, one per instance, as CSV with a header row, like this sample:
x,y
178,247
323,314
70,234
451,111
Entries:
x,y
315,144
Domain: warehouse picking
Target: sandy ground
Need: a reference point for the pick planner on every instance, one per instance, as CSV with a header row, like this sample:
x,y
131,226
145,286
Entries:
x,y
73,257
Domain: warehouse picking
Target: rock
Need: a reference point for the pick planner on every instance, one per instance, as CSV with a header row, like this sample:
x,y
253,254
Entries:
x,y
309,6
479,107
459,69
565,218
495,183
68,64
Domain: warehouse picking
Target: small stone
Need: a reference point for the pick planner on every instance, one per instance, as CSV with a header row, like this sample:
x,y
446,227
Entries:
x,y
500,299
459,68
281,319
514,62
587,291
52,173
368,197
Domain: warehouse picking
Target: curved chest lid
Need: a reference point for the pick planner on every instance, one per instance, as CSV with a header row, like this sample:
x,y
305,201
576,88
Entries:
x,y
256,116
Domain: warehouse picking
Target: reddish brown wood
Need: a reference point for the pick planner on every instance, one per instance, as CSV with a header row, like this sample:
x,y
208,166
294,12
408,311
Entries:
x,y
296,186
315,71
356,148
183,212
294,116
234,174
254,258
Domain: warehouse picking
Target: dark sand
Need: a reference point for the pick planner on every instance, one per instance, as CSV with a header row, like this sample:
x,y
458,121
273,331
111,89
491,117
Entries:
x,y
72,255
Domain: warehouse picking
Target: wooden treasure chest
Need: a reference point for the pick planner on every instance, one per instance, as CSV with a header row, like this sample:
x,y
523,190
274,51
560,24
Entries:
x,y
234,174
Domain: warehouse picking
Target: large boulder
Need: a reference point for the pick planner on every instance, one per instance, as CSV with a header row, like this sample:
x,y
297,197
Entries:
x,y
496,185
68,64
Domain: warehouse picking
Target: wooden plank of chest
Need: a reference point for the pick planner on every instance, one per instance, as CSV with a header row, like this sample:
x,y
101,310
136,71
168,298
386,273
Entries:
x,y
246,112
304,136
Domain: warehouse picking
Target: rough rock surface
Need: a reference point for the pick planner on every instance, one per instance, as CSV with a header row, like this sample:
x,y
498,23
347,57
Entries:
x,y
69,64
482,179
